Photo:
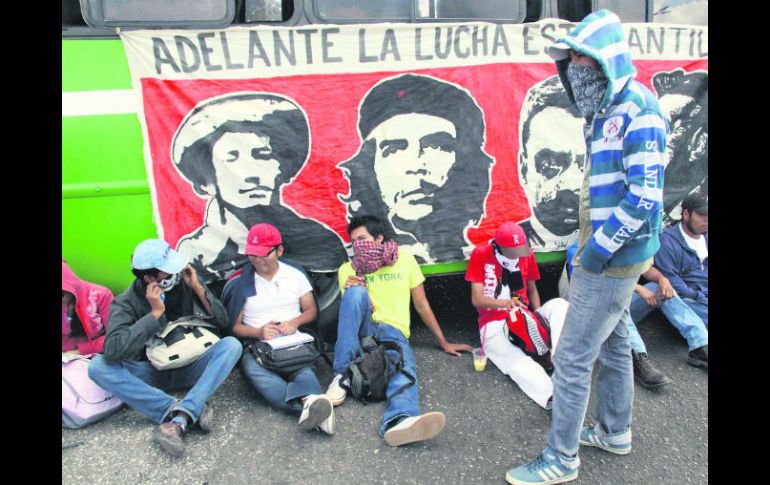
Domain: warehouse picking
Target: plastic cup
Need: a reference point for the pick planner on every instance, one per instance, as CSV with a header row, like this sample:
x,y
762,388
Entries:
x,y
479,360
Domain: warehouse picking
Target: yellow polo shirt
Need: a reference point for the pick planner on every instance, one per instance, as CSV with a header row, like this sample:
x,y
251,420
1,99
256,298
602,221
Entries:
x,y
390,289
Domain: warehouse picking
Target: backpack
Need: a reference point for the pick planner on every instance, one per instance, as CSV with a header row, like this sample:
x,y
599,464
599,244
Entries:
x,y
82,401
368,373
531,332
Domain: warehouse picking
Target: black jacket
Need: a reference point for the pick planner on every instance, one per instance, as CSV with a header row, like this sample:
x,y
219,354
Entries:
x,y
132,324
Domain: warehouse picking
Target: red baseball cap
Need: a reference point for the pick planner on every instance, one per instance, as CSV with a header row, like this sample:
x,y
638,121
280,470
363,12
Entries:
x,y
261,239
511,235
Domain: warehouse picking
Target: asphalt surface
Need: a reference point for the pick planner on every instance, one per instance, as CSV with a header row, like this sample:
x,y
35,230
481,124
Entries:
x,y
491,426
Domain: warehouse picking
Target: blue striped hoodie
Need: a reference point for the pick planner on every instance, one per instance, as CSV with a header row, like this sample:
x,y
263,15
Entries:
x,y
627,144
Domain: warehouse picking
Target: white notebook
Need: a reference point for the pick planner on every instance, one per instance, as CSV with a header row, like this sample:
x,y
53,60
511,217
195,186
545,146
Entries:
x,y
291,340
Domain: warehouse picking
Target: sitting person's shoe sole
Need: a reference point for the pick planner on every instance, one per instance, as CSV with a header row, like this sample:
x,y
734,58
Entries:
x,y
170,437
315,411
416,428
206,419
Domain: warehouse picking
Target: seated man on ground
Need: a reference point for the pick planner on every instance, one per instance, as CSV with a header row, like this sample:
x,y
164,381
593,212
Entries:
x,y
683,258
377,305
268,299
503,274
166,288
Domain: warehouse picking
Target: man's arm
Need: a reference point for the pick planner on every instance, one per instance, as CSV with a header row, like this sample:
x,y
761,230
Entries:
x,y
265,332
210,303
644,152
128,331
309,313
665,290
533,294
480,301
666,260
426,313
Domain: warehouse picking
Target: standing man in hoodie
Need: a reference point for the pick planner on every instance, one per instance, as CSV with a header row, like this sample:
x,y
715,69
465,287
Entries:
x,y
619,226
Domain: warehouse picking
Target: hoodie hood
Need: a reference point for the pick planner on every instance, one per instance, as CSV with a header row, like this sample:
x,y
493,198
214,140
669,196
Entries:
x,y
92,301
600,36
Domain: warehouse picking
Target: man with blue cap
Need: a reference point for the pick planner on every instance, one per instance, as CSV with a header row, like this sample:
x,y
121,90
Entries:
x,y
166,289
619,217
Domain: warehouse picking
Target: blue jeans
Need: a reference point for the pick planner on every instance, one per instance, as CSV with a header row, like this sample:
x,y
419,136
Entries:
x,y
355,322
595,327
680,315
142,386
701,309
281,393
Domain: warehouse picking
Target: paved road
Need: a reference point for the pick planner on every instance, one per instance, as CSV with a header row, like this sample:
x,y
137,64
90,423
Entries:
x,y
491,426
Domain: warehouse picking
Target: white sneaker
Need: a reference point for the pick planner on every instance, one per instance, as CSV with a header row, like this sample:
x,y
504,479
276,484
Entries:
x,y
336,393
316,409
327,425
416,428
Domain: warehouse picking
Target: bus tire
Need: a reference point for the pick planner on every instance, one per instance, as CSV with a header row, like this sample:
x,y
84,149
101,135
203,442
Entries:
x,y
328,297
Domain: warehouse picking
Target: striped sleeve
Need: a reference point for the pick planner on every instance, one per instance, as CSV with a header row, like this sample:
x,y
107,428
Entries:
x,y
644,151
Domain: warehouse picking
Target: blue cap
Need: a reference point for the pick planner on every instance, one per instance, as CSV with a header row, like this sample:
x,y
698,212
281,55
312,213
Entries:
x,y
156,253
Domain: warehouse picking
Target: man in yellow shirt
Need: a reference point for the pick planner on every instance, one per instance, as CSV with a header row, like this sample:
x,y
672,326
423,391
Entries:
x,y
375,302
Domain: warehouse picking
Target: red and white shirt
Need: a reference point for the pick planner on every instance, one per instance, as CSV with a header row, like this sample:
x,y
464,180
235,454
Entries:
x,y
484,268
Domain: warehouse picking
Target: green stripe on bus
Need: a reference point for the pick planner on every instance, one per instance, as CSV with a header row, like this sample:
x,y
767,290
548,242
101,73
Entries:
x,y
102,148
99,234
460,266
94,65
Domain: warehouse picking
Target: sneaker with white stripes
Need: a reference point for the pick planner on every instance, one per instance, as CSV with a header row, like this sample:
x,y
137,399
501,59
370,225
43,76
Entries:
x,y
589,437
335,392
544,469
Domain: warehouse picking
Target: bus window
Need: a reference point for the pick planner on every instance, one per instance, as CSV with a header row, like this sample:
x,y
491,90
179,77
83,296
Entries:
x,y
264,11
691,12
158,13
628,11
574,10
509,10
419,10
347,10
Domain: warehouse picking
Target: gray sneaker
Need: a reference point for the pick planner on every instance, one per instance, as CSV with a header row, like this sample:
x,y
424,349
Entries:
x,y
206,419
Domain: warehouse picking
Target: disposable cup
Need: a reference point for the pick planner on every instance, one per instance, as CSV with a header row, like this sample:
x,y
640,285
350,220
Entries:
x,y
479,360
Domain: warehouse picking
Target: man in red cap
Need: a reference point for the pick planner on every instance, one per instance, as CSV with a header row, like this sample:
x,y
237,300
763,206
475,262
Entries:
x,y
502,274
268,299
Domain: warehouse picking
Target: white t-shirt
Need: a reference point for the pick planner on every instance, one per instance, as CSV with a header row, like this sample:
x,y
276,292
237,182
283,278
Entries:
x,y
277,299
698,245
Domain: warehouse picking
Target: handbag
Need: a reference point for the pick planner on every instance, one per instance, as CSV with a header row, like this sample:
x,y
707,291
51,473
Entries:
x,y
180,343
286,361
82,401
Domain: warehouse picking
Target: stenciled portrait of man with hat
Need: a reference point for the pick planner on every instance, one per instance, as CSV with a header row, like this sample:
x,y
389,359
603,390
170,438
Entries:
x,y
238,150
421,165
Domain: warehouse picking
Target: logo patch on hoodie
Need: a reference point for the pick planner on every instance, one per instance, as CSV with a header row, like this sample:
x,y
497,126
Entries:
x,y
612,128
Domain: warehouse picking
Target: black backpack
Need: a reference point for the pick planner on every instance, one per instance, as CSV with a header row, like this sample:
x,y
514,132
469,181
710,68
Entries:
x,y
368,373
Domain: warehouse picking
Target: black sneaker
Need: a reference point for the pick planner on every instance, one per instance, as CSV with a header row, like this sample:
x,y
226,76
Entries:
x,y
647,375
699,357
